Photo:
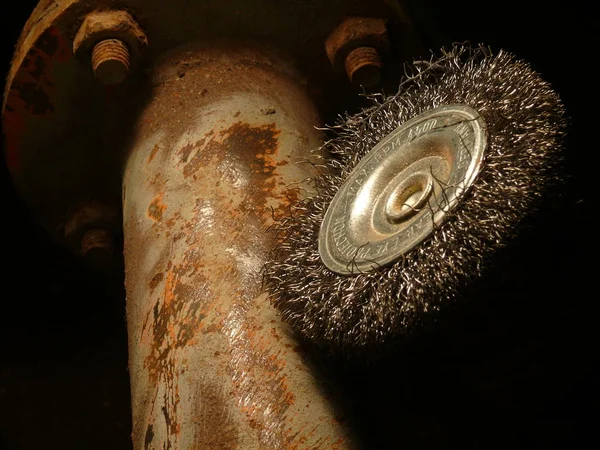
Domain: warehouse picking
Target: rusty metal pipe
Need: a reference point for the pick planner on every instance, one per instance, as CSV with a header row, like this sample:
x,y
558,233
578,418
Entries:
x,y
213,161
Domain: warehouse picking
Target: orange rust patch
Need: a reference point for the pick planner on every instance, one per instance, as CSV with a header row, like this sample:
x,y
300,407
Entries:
x,y
173,323
157,208
227,224
153,153
212,328
274,334
239,140
185,152
176,318
173,220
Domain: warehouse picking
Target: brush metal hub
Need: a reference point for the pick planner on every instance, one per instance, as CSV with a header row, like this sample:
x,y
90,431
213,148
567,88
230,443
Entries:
x,y
402,189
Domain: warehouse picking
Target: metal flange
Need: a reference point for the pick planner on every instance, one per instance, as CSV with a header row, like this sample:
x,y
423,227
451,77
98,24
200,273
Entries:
x,y
64,130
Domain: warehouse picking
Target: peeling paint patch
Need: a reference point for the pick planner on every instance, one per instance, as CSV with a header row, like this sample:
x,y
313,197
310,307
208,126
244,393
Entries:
x,y
157,208
177,318
156,279
149,437
219,430
239,140
153,153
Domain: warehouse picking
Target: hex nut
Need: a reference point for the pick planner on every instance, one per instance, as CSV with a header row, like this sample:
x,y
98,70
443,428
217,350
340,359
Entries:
x,y
89,229
102,25
97,248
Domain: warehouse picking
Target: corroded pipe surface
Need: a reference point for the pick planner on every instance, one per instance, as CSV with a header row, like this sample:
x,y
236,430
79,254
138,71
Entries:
x,y
212,161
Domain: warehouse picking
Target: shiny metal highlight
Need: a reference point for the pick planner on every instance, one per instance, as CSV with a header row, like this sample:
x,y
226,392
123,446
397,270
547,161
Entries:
x,y
402,189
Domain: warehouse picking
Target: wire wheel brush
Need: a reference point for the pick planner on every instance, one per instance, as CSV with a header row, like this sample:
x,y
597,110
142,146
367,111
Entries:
x,y
417,194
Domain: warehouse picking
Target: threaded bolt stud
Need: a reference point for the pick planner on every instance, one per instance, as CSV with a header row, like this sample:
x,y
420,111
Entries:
x,y
110,61
363,66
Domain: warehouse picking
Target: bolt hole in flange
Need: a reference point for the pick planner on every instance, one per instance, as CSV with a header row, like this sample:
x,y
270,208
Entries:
x,y
402,189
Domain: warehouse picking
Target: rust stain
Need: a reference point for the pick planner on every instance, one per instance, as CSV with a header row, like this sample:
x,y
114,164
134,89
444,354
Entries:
x,y
185,152
240,140
155,281
259,378
157,208
258,375
211,404
153,153
149,437
274,334
176,318
212,328
212,288
173,220
32,89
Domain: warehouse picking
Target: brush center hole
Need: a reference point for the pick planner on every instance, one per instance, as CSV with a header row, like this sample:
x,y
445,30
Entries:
x,y
408,198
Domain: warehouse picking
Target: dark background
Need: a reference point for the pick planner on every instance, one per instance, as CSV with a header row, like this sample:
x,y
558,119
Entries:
x,y
515,367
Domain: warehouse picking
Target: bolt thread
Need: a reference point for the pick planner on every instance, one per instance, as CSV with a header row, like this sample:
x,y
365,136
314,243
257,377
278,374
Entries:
x,y
363,65
110,61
